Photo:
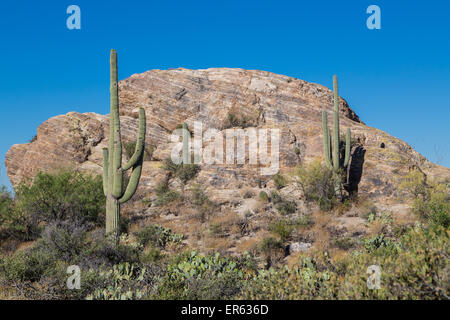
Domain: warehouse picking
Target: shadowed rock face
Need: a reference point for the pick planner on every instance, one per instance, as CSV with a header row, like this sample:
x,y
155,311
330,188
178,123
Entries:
x,y
220,99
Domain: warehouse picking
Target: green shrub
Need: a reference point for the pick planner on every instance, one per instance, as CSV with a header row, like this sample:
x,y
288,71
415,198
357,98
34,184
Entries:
x,y
201,201
435,209
66,195
130,146
417,269
165,195
280,181
60,196
184,172
304,221
380,244
344,243
195,276
432,200
286,207
317,183
282,228
27,265
157,236
187,172
415,184
238,120
263,196
272,250
67,240
123,282
6,207
215,229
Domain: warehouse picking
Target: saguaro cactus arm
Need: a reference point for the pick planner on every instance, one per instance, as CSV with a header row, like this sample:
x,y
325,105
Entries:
x,y
134,181
140,144
347,147
326,140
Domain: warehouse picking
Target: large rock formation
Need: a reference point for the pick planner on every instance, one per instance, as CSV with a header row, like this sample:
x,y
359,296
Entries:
x,y
221,99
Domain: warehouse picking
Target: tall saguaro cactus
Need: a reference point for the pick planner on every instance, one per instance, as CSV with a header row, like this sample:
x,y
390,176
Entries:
x,y
113,169
332,154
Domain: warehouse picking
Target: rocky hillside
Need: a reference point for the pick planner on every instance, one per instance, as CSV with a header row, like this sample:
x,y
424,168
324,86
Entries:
x,y
222,98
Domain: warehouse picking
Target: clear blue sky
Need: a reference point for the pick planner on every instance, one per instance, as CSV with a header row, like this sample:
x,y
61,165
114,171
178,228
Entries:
x,y
396,79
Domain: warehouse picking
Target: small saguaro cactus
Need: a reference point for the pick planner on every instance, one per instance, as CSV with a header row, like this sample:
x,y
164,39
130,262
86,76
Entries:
x,y
332,154
113,169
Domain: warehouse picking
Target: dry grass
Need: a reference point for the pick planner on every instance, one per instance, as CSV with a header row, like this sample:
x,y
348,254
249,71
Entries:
x,y
213,244
320,230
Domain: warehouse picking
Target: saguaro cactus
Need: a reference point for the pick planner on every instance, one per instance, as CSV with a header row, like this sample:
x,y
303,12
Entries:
x,y
113,169
332,154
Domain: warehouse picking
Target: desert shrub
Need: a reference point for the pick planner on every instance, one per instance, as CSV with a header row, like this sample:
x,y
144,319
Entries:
x,y
6,208
152,255
432,200
384,218
27,265
272,250
366,208
417,269
304,221
215,229
238,120
198,195
201,201
380,244
165,195
5,200
286,207
435,208
415,184
124,281
202,277
283,228
66,240
184,172
130,146
275,197
187,172
103,252
317,184
263,196
157,236
303,281
344,243
64,195
279,180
